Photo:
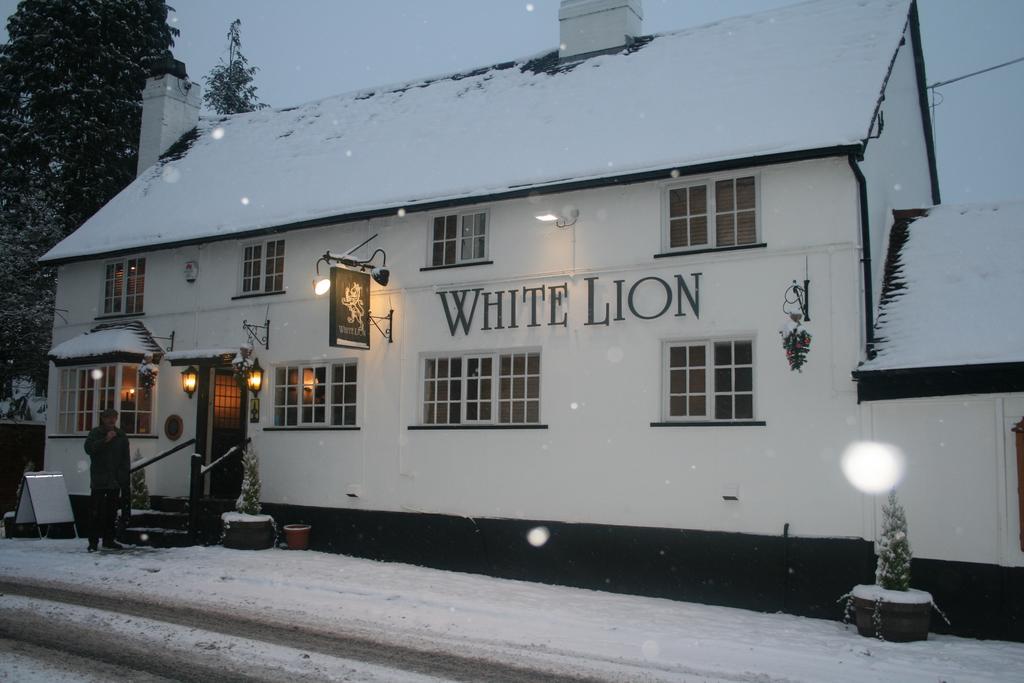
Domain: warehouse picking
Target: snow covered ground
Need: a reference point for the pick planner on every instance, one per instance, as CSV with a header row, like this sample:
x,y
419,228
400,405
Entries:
x,y
564,631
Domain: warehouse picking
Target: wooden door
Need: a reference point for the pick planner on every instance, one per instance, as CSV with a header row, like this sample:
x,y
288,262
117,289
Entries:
x,y
227,430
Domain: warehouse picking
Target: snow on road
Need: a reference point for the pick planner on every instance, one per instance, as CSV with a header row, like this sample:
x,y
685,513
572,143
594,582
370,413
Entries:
x,y
561,630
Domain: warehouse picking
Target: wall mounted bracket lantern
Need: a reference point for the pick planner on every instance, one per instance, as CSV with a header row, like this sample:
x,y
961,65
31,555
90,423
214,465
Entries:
x,y
254,380
565,219
189,380
380,274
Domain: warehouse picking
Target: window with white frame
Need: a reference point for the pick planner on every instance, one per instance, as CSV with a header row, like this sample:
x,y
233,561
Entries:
x,y
85,392
709,380
489,388
712,214
316,395
458,238
124,286
263,267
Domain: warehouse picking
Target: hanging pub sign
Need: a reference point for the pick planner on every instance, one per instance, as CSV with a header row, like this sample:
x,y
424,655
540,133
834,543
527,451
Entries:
x,y
350,308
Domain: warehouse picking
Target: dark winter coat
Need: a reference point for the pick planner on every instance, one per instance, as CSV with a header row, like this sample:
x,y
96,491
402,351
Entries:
x,y
111,461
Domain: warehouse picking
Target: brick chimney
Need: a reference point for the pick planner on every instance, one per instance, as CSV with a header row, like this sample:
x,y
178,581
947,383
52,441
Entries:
x,y
170,108
588,26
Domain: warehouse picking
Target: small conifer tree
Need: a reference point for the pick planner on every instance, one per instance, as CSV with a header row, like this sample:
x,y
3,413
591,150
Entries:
x,y
140,492
894,554
229,85
249,500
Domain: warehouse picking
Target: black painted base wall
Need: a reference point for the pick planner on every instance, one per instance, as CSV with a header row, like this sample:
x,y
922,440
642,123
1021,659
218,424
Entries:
x,y
801,576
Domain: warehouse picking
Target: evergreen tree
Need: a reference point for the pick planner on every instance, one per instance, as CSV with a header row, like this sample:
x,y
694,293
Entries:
x,y
249,500
229,86
894,554
140,491
71,79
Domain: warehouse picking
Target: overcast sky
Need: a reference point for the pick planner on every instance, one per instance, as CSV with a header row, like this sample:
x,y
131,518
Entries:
x,y
310,49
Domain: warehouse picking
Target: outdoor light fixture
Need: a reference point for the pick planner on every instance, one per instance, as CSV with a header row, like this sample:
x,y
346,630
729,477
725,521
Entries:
x,y
189,380
569,216
380,274
255,377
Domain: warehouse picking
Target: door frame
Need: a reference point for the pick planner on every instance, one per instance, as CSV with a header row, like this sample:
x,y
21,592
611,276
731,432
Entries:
x,y
204,415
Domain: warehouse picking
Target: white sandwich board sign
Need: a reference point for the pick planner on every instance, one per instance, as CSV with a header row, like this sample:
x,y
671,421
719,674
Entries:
x,y
44,499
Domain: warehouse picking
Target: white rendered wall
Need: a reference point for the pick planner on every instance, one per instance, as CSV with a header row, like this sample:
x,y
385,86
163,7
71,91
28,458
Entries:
x,y
896,164
599,460
960,488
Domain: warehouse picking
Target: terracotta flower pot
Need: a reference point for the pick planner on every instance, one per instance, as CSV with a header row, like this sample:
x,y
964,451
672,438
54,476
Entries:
x,y
297,536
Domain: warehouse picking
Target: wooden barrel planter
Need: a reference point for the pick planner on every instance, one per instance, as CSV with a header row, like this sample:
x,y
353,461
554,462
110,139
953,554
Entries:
x,y
258,534
898,622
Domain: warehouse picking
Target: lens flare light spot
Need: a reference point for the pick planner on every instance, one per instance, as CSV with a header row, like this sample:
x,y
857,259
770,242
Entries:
x,y
538,536
170,175
872,467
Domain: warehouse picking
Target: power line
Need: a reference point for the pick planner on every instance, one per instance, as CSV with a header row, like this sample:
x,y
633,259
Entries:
x,y
975,73
937,98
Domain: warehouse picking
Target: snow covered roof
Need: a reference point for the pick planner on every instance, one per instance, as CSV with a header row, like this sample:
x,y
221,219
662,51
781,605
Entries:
x,y
122,338
953,290
800,78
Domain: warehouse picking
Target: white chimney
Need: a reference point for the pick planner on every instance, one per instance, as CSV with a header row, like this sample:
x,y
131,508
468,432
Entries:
x,y
589,26
170,108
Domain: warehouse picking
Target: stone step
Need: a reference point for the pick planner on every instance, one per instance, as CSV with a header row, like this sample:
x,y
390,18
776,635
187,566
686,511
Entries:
x,y
168,503
156,537
161,520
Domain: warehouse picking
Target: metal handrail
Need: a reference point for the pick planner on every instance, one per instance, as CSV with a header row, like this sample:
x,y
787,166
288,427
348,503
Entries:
x,y
160,456
228,454
196,474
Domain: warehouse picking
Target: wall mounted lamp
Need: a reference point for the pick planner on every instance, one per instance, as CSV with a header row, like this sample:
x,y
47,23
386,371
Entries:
x,y
568,217
189,380
380,274
255,377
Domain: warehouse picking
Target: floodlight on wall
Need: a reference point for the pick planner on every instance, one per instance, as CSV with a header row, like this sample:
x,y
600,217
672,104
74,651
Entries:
x,y
380,274
566,218
189,380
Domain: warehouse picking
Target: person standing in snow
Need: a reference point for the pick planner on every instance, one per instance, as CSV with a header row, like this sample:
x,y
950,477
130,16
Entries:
x,y
107,446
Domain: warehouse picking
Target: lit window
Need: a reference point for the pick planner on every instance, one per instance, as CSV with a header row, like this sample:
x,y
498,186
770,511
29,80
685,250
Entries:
x,y
124,286
459,238
85,392
500,388
311,395
263,267
715,214
710,380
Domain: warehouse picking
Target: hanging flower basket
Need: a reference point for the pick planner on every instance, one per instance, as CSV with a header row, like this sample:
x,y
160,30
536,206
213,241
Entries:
x,y
147,373
796,341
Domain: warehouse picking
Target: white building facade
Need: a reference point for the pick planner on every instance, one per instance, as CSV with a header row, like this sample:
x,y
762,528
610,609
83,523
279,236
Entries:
x,y
615,376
